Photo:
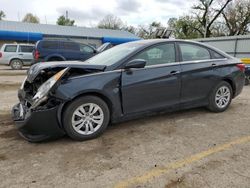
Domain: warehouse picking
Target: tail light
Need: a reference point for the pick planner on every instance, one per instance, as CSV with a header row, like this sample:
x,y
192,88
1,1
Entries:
x,y
37,54
1,54
241,66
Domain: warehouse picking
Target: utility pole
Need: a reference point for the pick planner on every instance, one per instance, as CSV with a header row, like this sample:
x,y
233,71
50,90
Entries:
x,y
45,19
67,14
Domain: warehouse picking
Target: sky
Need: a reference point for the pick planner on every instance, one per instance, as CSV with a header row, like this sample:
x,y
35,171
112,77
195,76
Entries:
x,y
89,12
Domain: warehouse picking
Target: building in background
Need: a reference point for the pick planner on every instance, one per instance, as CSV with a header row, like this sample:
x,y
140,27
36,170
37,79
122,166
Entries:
x,y
20,32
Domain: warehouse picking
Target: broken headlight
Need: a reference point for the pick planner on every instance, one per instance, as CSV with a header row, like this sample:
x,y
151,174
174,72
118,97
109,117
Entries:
x,y
44,89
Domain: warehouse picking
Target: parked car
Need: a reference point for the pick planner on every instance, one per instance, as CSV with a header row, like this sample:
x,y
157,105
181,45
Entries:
x,y
130,80
16,55
56,50
246,61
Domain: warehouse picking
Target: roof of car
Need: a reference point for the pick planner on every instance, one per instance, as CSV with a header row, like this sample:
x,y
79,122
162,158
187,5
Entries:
x,y
156,41
18,44
152,41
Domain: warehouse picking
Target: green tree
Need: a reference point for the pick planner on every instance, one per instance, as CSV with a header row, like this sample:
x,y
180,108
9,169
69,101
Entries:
x,y
62,20
30,18
2,14
185,27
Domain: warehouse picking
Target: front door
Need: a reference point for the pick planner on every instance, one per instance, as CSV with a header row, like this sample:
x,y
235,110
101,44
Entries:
x,y
155,86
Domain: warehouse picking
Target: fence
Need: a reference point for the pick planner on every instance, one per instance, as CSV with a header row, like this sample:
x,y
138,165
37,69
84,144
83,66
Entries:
x,y
237,46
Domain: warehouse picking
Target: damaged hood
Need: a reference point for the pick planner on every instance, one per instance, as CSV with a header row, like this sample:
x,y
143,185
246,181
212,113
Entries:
x,y
37,68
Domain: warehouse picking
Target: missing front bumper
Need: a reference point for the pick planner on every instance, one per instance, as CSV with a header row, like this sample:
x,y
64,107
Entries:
x,y
37,125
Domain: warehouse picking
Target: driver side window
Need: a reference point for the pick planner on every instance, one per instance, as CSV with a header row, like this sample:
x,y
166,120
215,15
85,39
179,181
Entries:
x,y
160,54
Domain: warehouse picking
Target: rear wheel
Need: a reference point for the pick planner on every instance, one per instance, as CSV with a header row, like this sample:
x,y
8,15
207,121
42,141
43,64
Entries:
x,y
86,118
221,97
16,64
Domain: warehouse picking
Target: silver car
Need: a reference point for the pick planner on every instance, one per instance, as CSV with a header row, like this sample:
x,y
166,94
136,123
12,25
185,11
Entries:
x,y
16,55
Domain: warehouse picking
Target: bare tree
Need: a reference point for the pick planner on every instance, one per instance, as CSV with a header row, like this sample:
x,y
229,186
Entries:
x,y
2,14
207,12
147,31
110,22
237,17
29,17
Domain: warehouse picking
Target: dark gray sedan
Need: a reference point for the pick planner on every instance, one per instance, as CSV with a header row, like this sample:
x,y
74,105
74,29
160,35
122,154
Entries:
x,y
134,79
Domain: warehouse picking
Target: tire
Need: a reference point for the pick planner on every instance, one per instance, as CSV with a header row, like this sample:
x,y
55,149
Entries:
x,y
16,64
214,105
247,80
78,121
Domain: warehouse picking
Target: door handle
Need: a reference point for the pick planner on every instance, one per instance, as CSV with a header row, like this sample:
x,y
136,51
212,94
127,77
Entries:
x,y
214,64
174,72
20,54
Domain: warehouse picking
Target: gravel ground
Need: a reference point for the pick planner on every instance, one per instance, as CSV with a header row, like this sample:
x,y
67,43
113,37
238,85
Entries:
x,y
141,148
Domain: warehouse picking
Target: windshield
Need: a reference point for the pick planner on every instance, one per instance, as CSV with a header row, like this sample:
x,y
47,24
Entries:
x,y
113,55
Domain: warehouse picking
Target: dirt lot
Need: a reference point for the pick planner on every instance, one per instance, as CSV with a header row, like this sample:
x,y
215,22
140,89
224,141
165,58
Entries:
x,y
192,148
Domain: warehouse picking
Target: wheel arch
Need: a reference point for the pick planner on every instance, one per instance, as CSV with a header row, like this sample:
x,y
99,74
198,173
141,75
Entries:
x,y
232,84
56,56
15,58
90,93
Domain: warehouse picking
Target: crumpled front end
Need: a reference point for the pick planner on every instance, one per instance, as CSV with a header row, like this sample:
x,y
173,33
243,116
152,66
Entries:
x,y
38,114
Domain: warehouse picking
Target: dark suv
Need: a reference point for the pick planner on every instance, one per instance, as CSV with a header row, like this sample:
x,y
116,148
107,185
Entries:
x,y
55,50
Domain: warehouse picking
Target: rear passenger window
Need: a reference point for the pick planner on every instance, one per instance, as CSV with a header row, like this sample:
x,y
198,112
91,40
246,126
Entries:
x,y
26,49
10,48
71,46
216,55
50,44
192,52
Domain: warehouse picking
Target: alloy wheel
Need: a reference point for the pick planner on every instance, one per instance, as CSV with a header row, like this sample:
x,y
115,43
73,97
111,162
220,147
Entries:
x,y
87,118
222,97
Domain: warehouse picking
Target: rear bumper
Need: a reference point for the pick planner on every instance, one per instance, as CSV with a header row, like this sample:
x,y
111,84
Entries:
x,y
36,126
247,71
239,82
34,61
4,62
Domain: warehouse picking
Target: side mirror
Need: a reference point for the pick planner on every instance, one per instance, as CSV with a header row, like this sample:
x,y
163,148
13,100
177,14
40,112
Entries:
x,y
136,63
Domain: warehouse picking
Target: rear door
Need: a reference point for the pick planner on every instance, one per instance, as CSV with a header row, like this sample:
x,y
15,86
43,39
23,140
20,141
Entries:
x,y
199,72
71,50
9,53
25,53
48,48
155,86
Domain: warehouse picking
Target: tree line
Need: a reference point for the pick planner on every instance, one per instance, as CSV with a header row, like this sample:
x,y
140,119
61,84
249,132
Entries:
x,y
31,18
207,18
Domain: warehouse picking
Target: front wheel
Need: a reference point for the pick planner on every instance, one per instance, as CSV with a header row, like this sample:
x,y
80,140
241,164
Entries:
x,y
86,118
221,97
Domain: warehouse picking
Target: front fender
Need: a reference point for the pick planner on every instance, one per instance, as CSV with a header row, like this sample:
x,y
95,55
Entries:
x,y
106,84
